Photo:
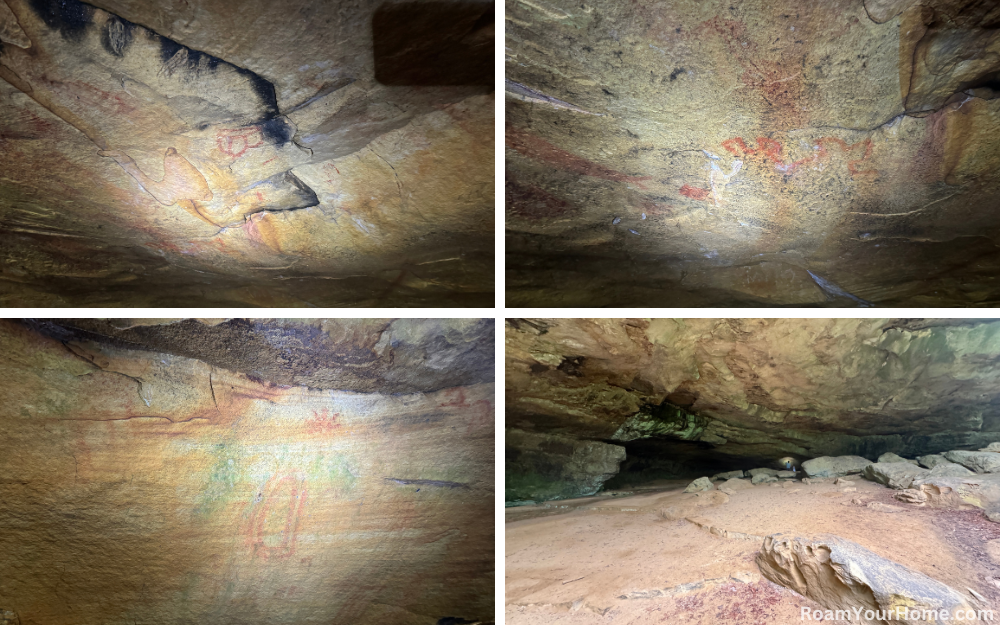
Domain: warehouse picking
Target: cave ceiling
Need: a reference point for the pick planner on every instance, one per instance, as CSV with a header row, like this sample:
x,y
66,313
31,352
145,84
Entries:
x,y
757,389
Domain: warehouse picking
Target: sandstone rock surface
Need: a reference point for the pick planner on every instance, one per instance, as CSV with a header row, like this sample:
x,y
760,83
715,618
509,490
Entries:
x,y
931,460
834,466
763,478
751,154
700,484
842,575
896,475
692,397
891,457
188,153
143,485
546,466
978,461
728,475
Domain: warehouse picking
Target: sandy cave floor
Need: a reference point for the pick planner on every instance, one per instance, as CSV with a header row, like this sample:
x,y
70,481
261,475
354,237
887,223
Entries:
x,y
571,561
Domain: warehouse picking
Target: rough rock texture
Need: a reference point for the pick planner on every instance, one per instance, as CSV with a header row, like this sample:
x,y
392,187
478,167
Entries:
x,y
754,153
141,485
950,469
891,457
962,492
932,460
762,471
834,466
897,475
541,467
190,153
978,461
841,575
728,475
994,447
699,485
763,478
735,484
709,395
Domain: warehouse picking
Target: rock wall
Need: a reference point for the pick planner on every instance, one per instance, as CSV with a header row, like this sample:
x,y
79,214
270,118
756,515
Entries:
x,y
764,152
738,392
544,466
188,153
141,485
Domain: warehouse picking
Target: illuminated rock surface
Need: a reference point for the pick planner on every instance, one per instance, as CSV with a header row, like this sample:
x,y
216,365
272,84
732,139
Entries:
x,y
756,153
193,153
335,471
688,398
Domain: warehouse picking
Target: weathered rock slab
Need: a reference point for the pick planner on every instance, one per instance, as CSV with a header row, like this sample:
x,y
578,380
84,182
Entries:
x,y
700,484
978,461
842,575
834,466
897,475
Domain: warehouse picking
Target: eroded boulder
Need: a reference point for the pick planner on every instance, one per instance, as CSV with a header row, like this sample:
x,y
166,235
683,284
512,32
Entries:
x,y
762,471
978,461
700,484
931,460
728,475
763,478
897,475
994,447
950,469
891,457
555,467
834,466
842,575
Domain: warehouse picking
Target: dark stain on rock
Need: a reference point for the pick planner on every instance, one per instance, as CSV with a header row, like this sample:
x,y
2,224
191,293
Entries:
x,y
69,17
572,365
277,130
116,36
531,202
677,72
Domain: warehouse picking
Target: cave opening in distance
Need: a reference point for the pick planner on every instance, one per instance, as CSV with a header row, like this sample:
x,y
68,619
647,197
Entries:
x,y
694,468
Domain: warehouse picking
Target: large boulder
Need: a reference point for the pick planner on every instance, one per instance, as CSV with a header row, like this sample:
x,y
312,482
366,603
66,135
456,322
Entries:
x,y
762,471
931,460
728,475
891,457
994,447
834,466
974,491
897,475
763,478
950,469
700,484
787,475
978,461
842,575
542,467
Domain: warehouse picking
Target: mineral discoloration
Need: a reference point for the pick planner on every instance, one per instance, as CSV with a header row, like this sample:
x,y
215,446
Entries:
x,y
843,140
140,484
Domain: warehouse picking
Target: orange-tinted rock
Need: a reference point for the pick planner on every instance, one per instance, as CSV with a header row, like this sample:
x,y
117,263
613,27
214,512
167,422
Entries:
x,y
143,485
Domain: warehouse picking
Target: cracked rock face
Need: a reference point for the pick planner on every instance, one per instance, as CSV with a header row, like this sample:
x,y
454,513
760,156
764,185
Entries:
x,y
186,153
145,484
693,397
755,153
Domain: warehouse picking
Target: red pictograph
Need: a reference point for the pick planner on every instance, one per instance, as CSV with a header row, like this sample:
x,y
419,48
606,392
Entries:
x,y
276,514
323,422
236,141
771,149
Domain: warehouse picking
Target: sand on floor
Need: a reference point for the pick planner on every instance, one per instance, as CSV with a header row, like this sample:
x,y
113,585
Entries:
x,y
592,560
